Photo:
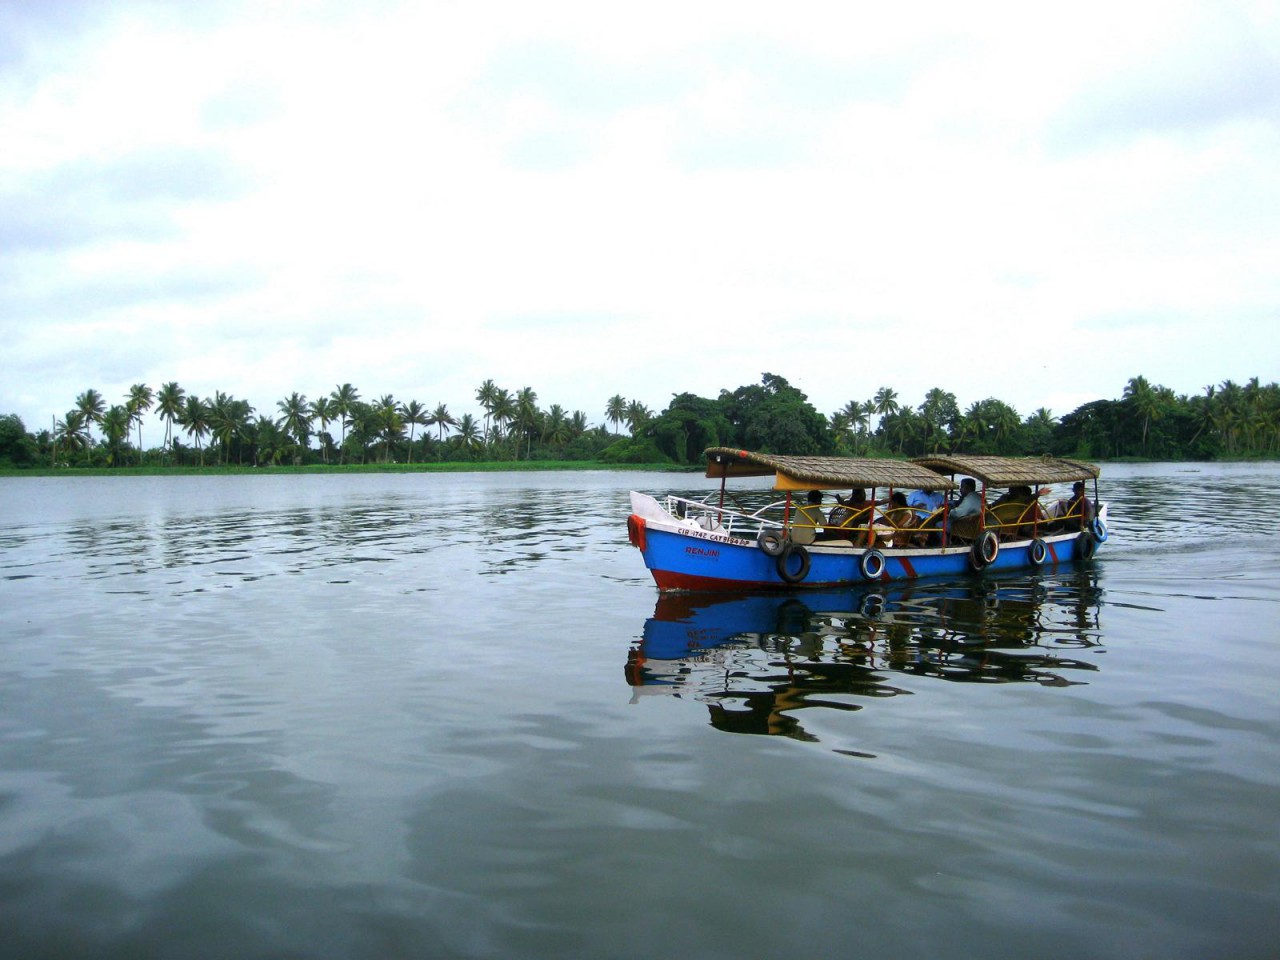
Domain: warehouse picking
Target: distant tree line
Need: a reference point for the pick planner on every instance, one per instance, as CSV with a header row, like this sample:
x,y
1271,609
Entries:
x,y
1227,420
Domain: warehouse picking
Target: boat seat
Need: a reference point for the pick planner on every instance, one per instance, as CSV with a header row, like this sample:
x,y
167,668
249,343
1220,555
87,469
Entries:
x,y
1004,518
1014,520
965,529
803,534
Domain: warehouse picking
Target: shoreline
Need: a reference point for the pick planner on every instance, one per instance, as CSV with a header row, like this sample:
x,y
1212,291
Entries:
x,y
536,466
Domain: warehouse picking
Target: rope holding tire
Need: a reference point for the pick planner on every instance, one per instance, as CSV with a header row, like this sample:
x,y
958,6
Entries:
x,y
772,542
1088,546
872,565
1037,552
784,563
985,550
1099,529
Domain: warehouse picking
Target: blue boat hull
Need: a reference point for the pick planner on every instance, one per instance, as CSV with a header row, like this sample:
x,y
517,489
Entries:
x,y
684,558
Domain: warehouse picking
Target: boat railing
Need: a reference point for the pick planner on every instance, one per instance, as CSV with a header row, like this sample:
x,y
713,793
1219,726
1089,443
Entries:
x,y
894,527
741,520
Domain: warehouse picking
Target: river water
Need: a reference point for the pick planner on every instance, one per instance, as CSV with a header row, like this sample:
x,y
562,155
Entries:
x,y
448,716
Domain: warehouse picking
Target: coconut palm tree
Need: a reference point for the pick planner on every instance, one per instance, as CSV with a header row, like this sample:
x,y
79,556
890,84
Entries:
x,y
440,419
229,422
169,403
885,402
637,416
504,412
115,428
555,428
344,400
390,426
91,406
1143,400
322,410
195,421
527,416
468,436
487,396
272,439
295,420
415,415
137,402
615,411
938,412
71,432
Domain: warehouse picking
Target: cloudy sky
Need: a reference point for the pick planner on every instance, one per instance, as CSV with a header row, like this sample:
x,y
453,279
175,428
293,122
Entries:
x,y
1027,201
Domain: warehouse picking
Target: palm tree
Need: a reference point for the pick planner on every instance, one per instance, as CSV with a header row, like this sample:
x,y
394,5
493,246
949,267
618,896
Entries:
x,y
1144,401
1005,423
344,399
616,411
468,436
1038,429
390,426
271,439
487,396
295,420
527,416
839,425
972,427
850,415
169,404
504,412
71,432
637,416
91,407
938,411
578,424
195,421
115,427
885,403
229,421
440,419
415,415
556,428
137,403
322,409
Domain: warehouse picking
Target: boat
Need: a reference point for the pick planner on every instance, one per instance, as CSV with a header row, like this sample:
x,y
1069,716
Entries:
x,y
756,540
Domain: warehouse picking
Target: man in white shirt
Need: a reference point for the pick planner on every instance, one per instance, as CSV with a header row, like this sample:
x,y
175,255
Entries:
x,y
970,503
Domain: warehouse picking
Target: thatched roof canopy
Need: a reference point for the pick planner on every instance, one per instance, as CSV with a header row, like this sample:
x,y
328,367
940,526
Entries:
x,y
807,473
1011,471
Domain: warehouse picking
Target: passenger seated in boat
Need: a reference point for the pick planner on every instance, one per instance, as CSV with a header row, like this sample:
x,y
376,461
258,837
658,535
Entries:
x,y
902,518
926,501
965,514
850,512
1073,514
1019,494
811,513
1011,514
969,503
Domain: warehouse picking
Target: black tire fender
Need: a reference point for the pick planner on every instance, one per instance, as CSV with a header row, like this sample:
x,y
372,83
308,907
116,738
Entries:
x,y
773,542
784,563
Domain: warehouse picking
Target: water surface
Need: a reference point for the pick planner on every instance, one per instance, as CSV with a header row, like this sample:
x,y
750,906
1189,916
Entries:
x,y
437,716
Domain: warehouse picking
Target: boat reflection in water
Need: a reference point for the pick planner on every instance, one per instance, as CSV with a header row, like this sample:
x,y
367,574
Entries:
x,y
755,660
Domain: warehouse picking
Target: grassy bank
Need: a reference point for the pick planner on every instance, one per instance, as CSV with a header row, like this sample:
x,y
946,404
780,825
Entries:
x,y
495,466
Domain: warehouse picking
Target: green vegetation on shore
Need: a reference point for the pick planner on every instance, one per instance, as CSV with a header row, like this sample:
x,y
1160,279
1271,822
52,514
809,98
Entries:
x,y
223,433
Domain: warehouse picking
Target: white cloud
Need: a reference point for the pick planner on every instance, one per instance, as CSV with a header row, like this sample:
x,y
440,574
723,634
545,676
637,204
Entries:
x,y
1004,200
